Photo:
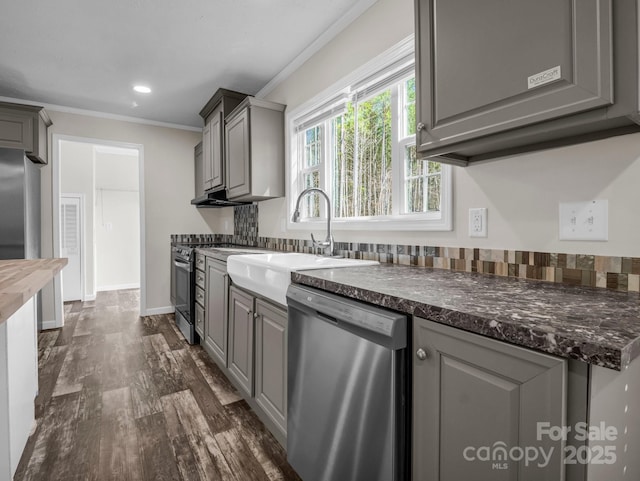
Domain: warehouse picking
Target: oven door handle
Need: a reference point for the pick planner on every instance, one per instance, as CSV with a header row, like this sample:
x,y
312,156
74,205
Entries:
x,y
182,265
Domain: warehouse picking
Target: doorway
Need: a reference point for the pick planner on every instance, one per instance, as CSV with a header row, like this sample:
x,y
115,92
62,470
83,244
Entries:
x,y
105,252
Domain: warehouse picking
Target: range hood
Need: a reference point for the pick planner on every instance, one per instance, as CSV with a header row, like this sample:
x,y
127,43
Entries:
x,y
215,199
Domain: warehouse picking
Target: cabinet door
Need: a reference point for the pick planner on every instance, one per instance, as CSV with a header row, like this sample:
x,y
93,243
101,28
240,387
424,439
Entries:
x,y
206,154
471,392
241,329
271,362
217,136
238,155
216,314
488,67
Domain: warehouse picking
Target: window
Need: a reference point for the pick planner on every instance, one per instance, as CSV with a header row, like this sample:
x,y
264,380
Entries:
x,y
358,144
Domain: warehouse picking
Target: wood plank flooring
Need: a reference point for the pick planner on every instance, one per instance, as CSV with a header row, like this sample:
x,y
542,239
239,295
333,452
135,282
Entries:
x,y
123,397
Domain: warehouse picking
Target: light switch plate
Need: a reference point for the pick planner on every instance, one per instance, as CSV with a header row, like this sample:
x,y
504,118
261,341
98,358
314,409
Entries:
x,y
478,222
584,221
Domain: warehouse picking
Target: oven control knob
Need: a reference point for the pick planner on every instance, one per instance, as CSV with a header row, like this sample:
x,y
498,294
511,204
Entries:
x,y
421,354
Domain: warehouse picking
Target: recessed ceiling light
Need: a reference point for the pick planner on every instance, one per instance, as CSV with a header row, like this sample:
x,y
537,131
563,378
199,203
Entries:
x,y
142,89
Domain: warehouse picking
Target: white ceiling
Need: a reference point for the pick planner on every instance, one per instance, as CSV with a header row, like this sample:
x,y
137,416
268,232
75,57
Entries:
x,y
88,54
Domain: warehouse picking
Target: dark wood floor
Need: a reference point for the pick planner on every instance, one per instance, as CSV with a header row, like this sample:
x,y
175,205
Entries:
x,y
126,398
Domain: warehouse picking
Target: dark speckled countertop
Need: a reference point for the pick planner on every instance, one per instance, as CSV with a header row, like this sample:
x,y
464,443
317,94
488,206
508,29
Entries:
x,y
597,326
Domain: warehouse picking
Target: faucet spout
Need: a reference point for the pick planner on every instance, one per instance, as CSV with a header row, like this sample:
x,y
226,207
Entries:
x,y
328,243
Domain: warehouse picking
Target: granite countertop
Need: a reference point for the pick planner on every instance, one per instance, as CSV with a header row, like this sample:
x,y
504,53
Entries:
x,y
594,325
21,279
221,253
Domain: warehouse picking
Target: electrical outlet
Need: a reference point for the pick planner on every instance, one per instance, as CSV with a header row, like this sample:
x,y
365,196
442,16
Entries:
x,y
478,222
584,220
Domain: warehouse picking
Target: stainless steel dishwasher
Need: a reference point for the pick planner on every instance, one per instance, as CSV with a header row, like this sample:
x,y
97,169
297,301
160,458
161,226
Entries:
x,y
347,389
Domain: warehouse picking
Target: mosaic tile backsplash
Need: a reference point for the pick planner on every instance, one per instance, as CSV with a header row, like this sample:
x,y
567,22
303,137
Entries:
x,y
619,273
245,224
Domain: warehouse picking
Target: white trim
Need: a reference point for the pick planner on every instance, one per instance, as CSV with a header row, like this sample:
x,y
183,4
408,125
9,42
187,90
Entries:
x,y
156,311
56,138
101,115
46,325
343,22
118,287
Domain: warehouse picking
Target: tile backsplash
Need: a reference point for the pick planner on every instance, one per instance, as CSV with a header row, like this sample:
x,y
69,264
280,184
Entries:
x,y
613,272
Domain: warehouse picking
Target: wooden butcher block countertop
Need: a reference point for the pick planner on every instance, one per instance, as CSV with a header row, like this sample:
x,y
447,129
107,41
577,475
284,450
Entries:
x,y
21,279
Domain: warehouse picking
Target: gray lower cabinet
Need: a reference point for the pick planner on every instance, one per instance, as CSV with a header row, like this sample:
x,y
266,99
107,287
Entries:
x,y
475,399
215,340
24,127
241,334
271,362
254,151
494,78
257,357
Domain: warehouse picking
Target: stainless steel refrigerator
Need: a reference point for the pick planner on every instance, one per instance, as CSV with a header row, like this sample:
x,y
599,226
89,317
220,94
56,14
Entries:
x,y
19,209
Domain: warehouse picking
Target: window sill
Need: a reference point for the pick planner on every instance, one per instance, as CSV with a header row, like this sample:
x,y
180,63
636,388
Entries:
x,y
391,224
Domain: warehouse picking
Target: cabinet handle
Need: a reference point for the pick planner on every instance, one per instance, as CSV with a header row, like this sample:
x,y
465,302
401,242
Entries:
x,y
420,126
421,354
255,315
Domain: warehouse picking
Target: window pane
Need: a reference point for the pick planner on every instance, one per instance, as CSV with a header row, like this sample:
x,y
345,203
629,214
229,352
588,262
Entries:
x,y
413,166
373,167
410,107
311,202
434,193
312,146
343,130
414,192
422,183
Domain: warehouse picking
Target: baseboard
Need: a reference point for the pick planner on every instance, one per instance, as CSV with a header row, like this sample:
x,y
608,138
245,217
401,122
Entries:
x,y
49,325
118,287
156,311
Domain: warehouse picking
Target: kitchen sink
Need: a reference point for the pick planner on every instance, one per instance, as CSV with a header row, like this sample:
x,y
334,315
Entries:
x,y
270,274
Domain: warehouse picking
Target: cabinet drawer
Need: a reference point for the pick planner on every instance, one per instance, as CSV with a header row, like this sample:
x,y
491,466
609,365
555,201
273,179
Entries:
x,y
200,320
200,261
200,279
200,295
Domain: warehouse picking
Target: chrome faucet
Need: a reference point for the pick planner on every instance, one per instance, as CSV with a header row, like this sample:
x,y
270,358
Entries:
x,y
327,244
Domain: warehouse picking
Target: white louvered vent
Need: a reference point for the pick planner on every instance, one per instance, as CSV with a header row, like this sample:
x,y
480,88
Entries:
x,y
70,233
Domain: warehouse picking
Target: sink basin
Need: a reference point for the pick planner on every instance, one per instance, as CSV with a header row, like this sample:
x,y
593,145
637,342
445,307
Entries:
x,y
270,274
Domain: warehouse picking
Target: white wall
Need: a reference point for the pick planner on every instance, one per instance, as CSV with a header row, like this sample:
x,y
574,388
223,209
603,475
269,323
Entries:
x,y
117,221
117,239
168,188
76,177
521,192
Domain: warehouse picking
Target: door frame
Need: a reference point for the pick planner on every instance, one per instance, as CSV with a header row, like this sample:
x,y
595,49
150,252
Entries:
x,y
83,246
55,172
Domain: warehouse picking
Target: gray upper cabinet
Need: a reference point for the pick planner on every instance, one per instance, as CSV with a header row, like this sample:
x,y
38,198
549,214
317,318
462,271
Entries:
x,y
199,169
216,315
254,155
471,392
25,127
219,106
495,78
271,363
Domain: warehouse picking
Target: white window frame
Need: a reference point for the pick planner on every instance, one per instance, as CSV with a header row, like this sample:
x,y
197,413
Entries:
x,y
427,221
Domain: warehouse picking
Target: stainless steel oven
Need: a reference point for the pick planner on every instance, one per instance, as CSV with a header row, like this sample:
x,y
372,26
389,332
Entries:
x,y
183,277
